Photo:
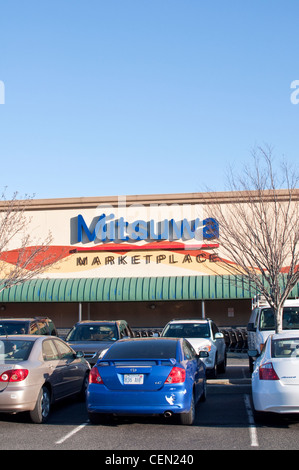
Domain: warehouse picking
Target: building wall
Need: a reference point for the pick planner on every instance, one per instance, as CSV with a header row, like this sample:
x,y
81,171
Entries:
x,y
137,314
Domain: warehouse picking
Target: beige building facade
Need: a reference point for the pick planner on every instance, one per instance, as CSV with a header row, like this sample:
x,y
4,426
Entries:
x,y
146,259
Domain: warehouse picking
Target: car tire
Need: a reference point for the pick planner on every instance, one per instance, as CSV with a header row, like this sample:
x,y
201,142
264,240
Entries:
x,y
188,419
222,366
41,411
214,371
204,393
82,393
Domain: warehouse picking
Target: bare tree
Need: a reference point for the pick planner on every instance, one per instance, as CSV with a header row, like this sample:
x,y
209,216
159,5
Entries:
x,y
259,229
30,259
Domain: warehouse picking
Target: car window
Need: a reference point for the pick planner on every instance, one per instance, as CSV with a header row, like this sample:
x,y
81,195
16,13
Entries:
x,y
93,333
64,350
43,328
187,330
142,350
34,330
49,351
290,319
14,350
214,329
13,328
286,347
188,350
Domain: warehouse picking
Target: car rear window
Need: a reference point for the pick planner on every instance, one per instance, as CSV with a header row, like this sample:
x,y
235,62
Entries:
x,y
14,350
286,347
13,328
142,349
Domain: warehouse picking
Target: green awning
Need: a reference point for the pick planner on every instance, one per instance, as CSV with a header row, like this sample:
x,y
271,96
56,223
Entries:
x,y
131,289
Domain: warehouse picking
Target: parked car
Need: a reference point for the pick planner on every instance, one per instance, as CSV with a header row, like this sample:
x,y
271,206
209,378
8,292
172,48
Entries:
x,y
204,336
147,376
275,378
36,371
261,324
94,336
30,326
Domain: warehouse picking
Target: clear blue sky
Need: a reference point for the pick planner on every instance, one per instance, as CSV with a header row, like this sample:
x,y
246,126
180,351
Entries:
x,y
125,97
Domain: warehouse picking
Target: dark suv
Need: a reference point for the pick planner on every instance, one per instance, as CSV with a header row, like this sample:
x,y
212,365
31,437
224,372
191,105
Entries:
x,y
27,326
94,336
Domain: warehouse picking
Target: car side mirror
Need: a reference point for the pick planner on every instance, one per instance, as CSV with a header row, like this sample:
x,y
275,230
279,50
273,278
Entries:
x,y
203,354
219,335
79,354
253,353
251,327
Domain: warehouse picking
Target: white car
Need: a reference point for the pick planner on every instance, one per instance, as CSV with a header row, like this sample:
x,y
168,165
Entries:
x,y
275,377
204,335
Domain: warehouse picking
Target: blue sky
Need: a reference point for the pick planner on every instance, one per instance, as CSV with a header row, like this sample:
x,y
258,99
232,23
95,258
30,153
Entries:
x,y
125,97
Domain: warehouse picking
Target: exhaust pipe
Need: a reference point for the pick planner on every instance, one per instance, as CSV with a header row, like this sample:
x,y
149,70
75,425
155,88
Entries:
x,y
167,414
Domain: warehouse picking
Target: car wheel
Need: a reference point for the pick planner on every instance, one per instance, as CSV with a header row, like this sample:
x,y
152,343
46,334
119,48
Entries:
x,y
188,418
41,411
204,393
82,394
222,366
214,371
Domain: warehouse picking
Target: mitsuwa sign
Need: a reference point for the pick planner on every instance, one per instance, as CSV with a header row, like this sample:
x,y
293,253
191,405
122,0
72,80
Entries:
x,y
138,223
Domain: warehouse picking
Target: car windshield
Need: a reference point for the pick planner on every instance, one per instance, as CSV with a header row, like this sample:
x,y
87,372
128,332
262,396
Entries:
x,y
93,333
290,320
14,350
142,349
13,328
286,347
187,330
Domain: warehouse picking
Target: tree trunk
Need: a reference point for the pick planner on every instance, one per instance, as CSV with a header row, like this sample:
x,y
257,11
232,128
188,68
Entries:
x,y
278,319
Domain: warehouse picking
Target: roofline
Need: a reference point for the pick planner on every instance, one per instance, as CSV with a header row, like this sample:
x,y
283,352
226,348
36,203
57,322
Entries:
x,y
224,197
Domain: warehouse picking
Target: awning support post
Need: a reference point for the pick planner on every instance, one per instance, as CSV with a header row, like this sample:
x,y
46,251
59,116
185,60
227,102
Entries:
x,y
203,313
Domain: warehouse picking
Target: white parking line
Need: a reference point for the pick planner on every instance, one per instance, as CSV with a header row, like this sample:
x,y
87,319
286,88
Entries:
x,y
70,434
252,427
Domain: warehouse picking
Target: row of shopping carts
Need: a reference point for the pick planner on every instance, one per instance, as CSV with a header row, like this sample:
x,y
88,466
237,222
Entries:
x,y
235,338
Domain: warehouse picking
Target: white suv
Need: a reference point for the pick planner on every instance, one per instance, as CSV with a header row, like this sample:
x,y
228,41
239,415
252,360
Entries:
x,y
261,324
204,335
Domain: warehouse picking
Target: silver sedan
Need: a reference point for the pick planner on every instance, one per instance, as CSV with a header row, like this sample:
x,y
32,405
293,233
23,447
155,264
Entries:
x,y
36,371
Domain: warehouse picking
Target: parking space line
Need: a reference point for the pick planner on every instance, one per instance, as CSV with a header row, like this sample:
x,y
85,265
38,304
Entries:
x,y
252,427
70,434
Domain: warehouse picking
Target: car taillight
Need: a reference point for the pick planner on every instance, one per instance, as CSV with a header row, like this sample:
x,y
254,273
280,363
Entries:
x,y
267,372
14,375
177,375
94,376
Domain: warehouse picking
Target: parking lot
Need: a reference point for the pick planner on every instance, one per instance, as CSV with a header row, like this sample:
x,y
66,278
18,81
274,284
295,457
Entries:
x,y
224,422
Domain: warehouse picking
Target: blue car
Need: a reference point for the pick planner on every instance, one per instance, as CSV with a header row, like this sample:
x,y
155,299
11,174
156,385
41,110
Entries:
x,y
147,376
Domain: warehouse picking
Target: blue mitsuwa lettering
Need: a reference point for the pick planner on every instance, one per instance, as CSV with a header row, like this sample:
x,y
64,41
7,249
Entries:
x,y
107,228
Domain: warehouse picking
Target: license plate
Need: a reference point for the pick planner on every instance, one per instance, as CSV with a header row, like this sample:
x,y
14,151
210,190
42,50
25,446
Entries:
x,y
133,379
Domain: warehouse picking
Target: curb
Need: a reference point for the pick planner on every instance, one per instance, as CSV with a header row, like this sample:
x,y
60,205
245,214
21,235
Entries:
x,y
229,382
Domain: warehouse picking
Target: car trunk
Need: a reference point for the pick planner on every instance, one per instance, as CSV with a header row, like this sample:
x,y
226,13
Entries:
x,y
134,375
287,370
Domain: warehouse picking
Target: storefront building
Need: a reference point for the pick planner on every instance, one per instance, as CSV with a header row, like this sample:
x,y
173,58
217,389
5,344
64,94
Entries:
x,y
145,259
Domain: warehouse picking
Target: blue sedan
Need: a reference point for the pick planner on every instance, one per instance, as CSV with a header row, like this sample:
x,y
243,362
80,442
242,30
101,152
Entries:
x,y
147,376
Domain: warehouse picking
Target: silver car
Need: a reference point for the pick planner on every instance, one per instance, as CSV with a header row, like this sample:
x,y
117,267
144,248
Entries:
x,y
36,371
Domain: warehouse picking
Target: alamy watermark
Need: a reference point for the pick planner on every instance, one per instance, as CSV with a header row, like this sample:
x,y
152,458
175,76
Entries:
x,y
295,94
2,92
